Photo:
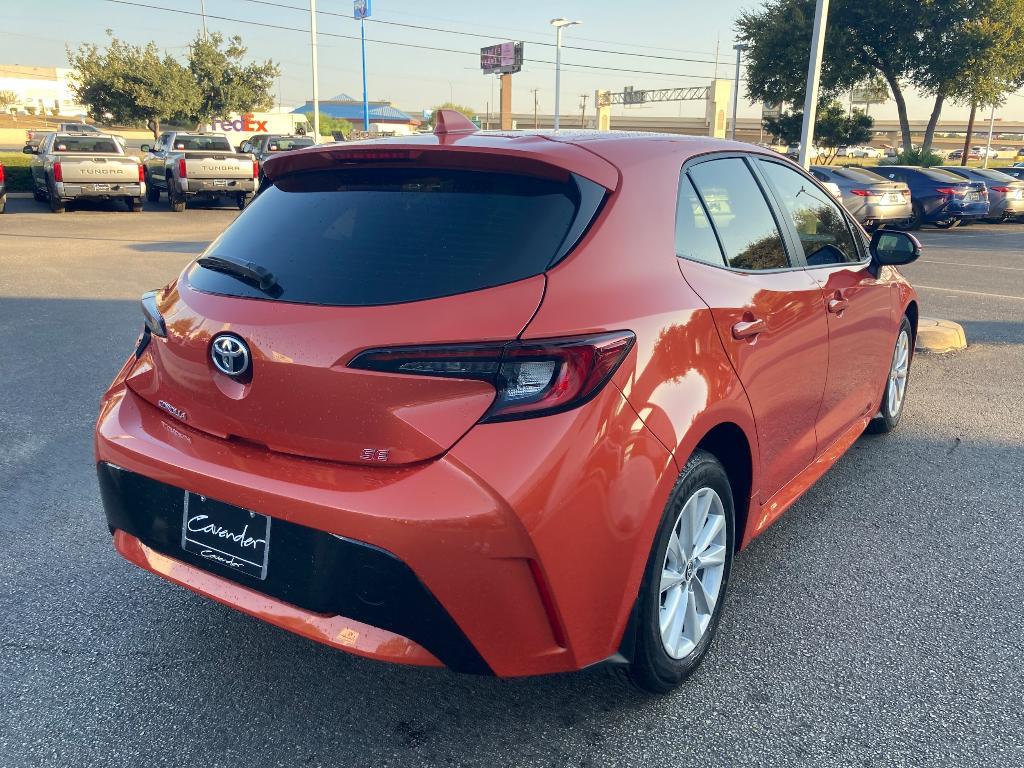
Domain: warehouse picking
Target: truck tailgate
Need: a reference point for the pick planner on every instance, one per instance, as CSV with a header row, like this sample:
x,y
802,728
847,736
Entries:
x,y
218,165
99,169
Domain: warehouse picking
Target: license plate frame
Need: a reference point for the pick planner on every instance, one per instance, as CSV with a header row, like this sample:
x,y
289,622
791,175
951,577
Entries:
x,y
226,536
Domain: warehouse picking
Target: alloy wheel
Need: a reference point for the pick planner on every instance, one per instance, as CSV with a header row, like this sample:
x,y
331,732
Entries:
x,y
898,374
693,572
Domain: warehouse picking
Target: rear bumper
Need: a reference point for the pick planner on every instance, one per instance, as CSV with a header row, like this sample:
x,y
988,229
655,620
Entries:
x,y
954,209
216,186
1005,208
874,213
532,570
67,190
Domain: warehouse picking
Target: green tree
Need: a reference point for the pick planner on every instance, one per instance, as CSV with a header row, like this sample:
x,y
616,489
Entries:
x,y
929,45
833,128
7,98
225,83
467,111
331,125
131,85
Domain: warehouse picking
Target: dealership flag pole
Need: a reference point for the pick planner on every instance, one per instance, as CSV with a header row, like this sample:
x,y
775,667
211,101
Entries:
x,y
316,79
813,77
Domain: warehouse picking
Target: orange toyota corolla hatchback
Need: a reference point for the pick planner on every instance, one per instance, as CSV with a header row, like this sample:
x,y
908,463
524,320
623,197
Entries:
x,y
506,403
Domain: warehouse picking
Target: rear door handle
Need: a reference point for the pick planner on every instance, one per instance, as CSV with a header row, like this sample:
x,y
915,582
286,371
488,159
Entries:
x,y
836,306
748,328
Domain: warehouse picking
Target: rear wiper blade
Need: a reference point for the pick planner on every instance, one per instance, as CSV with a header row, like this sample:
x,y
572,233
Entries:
x,y
247,270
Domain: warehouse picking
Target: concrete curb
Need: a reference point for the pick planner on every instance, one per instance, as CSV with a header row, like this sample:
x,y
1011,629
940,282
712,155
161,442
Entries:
x,y
939,336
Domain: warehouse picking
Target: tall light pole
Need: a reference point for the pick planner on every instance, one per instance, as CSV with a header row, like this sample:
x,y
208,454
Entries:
x,y
739,48
316,77
991,126
202,12
559,24
813,77
361,10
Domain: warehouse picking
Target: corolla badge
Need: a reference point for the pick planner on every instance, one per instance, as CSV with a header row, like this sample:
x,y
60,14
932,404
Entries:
x,y
230,355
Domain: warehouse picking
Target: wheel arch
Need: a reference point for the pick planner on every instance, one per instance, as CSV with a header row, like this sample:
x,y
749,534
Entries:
x,y
728,443
912,314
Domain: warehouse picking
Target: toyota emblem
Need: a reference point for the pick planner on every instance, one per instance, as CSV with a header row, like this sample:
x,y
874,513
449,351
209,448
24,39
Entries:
x,y
230,355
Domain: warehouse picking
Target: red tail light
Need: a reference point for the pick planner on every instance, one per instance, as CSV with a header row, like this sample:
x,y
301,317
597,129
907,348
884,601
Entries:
x,y
182,170
1004,190
950,191
58,174
532,378
142,173
1,173
865,192
255,169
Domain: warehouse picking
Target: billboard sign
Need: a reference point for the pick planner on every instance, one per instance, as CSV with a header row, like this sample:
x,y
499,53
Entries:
x,y
503,59
361,9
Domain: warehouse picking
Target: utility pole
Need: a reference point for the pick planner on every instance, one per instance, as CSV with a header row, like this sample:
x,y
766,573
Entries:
x,y
739,48
813,78
991,126
559,24
535,126
583,110
202,12
316,78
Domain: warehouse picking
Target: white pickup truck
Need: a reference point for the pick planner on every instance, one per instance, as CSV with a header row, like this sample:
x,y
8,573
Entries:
x,y
198,165
71,166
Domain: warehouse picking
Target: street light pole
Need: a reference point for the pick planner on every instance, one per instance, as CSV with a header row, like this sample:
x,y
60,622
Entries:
x,y
366,102
316,78
559,24
202,12
991,126
813,78
739,48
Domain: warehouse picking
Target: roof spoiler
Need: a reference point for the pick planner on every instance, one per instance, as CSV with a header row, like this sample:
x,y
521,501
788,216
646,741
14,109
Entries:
x,y
449,121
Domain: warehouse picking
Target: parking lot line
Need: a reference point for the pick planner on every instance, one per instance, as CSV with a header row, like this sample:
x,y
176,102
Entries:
x,y
966,264
972,293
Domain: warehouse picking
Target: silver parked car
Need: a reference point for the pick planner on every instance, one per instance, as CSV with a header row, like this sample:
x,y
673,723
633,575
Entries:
x,y
872,199
1005,193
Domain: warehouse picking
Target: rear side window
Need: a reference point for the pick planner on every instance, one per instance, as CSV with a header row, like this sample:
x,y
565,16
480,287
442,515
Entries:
x,y
740,214
695,239
369,236
824,234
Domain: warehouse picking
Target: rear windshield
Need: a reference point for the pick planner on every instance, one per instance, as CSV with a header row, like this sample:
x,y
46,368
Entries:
x,y
85,144
859,174
991,175
368,236
280,145
937,174
202,143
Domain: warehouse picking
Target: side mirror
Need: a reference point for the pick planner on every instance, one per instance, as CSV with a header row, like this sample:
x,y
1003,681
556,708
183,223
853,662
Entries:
x,y
146,148
893,248
245,147
28,150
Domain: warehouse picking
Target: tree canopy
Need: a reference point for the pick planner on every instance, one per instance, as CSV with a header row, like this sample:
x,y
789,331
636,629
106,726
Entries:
x,y
131,84
224,82
958,50
467,111
833,128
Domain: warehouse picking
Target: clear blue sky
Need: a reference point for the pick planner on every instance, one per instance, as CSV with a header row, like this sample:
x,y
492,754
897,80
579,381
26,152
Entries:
x,y
412,78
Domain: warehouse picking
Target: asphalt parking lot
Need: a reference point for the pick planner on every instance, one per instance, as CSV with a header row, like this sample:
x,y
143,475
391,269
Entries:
x,y
878,622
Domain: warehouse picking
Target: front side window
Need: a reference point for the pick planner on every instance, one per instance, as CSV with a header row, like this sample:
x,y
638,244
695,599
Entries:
x,y
695,239
740,213
824,234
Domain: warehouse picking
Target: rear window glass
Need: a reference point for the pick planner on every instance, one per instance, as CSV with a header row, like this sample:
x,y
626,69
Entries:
x,y
990,175
937,174
282,144
859,174
202,143
372,236
84,144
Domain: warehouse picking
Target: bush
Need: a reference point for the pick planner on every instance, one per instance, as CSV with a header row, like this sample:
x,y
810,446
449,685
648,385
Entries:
x,y
913,157
16,171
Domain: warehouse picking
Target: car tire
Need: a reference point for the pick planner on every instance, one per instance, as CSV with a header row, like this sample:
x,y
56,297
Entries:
x,y
894,398
701,501
176,202
3,203
916,217
152,191
947,223
57,205
243,200
39,197
135,204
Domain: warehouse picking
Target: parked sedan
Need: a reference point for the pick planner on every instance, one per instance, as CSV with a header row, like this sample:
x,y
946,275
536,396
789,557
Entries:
x,y
1015,171
414,404
866,151
872,199
938,196
1005,193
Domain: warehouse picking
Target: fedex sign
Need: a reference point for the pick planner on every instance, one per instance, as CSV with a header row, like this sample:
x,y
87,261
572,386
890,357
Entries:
x,y
245,124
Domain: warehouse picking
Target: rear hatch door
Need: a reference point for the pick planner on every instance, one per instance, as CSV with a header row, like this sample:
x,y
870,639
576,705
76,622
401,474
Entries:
x,y
362,258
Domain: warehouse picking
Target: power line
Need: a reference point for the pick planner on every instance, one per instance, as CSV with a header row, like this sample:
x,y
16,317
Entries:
x,y
417,46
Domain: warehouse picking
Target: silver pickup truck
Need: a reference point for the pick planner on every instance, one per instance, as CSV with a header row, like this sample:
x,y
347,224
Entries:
x,y
190,165
70,166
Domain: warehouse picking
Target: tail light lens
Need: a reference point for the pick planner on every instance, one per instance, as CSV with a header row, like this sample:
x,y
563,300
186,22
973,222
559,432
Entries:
x,y
58,174
865,192
255,169
532,378
1004,190
1,173
142,173
948,191
182,170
